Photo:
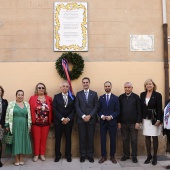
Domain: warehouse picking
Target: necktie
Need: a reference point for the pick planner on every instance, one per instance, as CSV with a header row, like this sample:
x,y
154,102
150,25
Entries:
x,y
107,99
86,96
65,100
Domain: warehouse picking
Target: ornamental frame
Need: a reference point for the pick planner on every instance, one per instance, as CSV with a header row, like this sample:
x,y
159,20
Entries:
x,y
82,37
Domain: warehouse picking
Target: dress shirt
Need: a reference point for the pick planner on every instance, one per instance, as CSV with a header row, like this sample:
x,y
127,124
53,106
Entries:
x,y
85,91
109,94
66,95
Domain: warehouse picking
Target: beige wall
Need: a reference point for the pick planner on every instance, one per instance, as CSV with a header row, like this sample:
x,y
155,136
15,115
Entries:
x,y
25,75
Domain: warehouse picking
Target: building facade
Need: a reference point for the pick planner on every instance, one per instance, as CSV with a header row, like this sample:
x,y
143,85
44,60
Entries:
x,y
27,56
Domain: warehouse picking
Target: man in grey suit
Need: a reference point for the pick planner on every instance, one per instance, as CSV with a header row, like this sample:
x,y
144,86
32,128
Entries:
x,y
86,105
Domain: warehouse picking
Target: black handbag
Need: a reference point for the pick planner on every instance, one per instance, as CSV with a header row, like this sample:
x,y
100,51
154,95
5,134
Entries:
x,y
7,138
153,116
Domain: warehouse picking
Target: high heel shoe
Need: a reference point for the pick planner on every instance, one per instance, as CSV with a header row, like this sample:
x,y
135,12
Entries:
x,y
154,161
148,159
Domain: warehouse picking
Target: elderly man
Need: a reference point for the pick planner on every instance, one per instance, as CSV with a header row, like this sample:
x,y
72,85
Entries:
x,y
86,108
63,111
108,112
129,121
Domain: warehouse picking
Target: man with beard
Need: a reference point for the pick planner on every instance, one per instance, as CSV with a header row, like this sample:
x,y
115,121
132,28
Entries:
x,y
108,112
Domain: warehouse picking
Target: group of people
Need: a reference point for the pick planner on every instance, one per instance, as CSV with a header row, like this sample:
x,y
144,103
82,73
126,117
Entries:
x,y
125,112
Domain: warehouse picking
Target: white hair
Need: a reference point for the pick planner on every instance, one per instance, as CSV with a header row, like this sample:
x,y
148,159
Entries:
x,y
64,83
129,83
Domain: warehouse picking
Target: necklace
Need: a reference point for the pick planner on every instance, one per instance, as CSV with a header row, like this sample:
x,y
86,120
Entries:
x,y
41,98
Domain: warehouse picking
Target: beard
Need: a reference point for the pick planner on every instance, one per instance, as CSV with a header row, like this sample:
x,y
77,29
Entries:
x,y
107,90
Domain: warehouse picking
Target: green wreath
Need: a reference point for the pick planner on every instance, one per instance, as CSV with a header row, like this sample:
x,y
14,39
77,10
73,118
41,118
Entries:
x,y
76,60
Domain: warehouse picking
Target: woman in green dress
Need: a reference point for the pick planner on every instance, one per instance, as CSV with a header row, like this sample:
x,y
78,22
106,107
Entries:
x,y
18,121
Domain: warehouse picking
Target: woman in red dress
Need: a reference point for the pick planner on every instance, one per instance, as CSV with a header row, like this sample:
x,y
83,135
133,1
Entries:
x,y
41,114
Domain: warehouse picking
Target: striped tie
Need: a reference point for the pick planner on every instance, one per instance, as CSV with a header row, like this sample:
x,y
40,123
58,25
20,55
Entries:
x,y
86,95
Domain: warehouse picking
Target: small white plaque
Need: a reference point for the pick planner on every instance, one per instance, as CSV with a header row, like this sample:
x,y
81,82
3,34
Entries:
x,y
141,42
70,26
168,40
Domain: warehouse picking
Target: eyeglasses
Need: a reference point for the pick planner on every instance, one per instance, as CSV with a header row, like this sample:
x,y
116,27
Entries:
x,y
41,88
85,82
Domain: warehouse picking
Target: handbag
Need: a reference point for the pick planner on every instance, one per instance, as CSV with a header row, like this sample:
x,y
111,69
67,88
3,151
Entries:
x,y
153,116
1,133
7,138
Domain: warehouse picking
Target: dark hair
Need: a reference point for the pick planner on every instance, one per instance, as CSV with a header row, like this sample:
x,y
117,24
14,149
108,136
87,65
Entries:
x,y
2,91
19,91
86,78
36,89
108,82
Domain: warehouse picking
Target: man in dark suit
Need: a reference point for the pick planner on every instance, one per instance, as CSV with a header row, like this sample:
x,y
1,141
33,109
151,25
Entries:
x,y
86,108
108,112
63,111
129,121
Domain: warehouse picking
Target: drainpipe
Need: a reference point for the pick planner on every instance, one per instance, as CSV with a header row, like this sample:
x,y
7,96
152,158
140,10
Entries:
x,y
165,39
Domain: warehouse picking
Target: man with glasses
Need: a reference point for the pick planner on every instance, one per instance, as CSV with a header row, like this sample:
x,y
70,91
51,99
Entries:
x,y
129,121
63,111
86,108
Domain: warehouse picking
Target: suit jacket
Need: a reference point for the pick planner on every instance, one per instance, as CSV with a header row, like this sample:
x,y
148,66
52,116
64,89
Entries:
x,y
112,109
155,102
33,105
60,111
86,108
4,107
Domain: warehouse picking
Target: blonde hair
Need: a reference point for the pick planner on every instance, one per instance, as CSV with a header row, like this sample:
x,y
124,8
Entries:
x,y
150,80
36,89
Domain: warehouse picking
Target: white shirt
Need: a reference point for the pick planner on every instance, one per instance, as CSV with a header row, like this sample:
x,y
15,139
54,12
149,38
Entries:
x,y
109,94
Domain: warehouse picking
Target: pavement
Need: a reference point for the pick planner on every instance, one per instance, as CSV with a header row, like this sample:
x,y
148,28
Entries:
x,y
49,164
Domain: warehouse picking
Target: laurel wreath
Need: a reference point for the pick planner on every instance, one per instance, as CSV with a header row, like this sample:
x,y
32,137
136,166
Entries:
x,y
76,60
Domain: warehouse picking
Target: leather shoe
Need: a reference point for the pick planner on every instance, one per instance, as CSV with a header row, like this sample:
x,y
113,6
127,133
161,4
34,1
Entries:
x,y
82,159
154,160
102,159
1,164
57,159
113,160
134,160
168,167
148,159
124,158
69,159
91,159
